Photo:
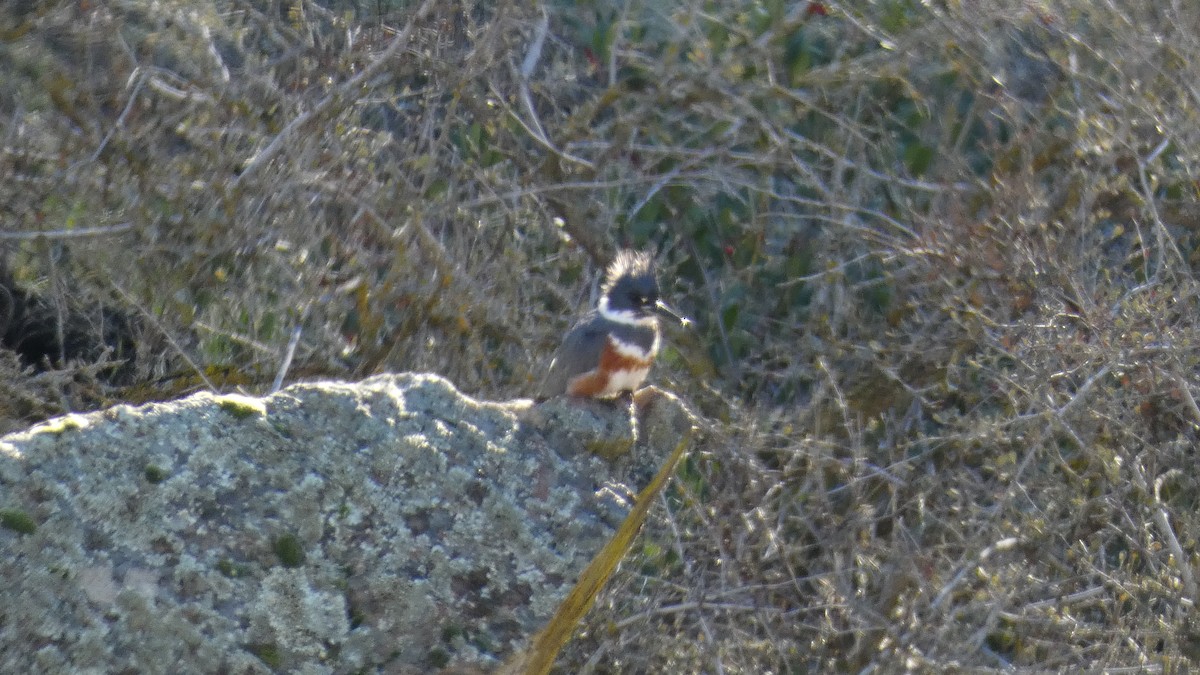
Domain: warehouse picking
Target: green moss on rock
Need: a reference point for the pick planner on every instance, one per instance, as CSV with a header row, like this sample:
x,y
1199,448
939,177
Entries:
x,y
62,425
155,474
438,658
230,569
241,407
267,653
289,550
17,521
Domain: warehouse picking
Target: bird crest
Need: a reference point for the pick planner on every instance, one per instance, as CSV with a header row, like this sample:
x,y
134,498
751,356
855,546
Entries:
x,y
629,264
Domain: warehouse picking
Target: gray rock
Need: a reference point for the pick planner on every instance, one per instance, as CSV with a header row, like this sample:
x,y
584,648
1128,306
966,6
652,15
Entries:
x,y
392,525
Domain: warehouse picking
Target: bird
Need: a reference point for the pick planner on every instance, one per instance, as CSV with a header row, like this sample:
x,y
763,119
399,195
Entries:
x,y
609,351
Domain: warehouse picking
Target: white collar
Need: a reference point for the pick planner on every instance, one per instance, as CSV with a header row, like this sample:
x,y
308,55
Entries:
x,y
624,316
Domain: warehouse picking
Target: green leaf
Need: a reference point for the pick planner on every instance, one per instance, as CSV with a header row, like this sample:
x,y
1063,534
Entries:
x,y
918,157
729,316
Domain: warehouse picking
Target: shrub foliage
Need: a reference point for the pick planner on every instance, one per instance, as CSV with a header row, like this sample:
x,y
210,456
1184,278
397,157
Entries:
x,y
941,257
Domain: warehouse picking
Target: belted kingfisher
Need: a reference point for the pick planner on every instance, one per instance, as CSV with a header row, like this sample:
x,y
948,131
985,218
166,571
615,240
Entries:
x,y
610,350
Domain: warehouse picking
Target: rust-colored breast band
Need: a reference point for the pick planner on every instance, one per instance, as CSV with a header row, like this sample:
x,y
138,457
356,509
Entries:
x,y
594,382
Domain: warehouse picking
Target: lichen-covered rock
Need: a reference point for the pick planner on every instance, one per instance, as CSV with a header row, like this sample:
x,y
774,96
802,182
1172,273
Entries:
x,y
393,524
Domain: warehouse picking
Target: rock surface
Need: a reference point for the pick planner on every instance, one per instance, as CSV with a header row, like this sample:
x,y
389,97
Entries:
x,y
392,525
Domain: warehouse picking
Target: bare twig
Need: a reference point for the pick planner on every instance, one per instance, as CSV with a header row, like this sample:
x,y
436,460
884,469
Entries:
x,y
1190,400
1158,514
138,78
534,126
1001,546
287,359
347,90
1082,392
149,316
67,234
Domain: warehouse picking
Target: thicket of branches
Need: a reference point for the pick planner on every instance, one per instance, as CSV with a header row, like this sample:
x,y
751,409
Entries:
x,y
940,255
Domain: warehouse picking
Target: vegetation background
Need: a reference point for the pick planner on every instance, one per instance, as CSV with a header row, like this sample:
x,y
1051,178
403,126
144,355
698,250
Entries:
x,y
941,255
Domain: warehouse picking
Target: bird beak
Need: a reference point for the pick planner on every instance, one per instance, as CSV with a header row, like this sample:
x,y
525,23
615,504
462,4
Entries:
x,y
665,309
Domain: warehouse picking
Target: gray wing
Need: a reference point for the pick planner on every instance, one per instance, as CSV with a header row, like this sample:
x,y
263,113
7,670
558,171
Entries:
x,y
587,337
